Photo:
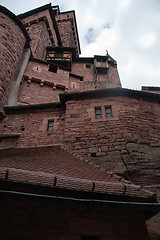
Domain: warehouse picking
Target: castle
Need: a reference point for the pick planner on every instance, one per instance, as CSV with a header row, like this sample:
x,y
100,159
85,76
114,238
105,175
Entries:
x,y
80,155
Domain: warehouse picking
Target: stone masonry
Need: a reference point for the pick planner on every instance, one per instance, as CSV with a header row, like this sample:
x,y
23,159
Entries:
x,y
66,90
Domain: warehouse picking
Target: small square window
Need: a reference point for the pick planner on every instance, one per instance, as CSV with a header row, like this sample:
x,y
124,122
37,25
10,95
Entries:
x,y
50,125
88,66
53,68
98,112
108,111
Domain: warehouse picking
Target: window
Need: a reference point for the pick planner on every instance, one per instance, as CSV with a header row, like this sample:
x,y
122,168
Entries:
x,y
88,66
50,125
98,113
108,111
53,68
73,84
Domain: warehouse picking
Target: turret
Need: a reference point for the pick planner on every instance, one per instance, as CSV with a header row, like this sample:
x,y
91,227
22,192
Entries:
x,y
13,40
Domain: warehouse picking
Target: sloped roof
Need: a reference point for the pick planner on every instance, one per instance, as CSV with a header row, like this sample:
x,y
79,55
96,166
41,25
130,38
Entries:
x,y
50,159
53,167
100,93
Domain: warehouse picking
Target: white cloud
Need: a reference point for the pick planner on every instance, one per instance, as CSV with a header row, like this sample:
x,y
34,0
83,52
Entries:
x,y
124,3
147,40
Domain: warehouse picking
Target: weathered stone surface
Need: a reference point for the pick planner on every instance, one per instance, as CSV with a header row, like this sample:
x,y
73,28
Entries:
x,y
127,144
143,161
12,41
111,162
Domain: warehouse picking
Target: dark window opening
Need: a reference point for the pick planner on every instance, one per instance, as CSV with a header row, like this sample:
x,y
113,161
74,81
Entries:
x,y
53,68
50,125
98,113
88,66
108,111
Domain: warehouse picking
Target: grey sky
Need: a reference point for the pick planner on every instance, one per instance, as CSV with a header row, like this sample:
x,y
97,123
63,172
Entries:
x,y
128,29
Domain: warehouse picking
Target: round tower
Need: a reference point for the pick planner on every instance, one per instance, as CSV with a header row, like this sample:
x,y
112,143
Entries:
x,y
13,38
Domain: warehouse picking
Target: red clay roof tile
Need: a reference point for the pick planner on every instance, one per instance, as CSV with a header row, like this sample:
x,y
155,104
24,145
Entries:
x,y
52,166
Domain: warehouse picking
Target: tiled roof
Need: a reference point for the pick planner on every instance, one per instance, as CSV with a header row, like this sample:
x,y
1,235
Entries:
x,y
53,167
64,97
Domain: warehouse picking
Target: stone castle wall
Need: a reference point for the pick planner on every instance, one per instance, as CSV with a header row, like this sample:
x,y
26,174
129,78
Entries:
x,y
12,41
42,33
68,30
128,143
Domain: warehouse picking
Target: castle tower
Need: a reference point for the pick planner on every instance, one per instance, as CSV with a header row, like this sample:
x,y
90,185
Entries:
x,y
42,28
13,40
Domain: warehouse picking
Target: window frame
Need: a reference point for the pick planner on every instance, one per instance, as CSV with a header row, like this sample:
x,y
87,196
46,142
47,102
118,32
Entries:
x,y
108,114
98,114
115,111
50,125
88,66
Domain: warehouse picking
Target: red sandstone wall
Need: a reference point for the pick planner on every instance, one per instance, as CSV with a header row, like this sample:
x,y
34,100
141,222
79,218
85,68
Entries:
x,y
35,93
36,220
40,39
41,32
130,136
81,70
42,86
32,125
67,29
109,80
128,143
100,81
74,84
41,71
12,41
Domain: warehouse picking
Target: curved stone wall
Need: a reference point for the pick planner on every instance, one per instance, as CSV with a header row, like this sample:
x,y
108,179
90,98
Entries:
x,y
12,42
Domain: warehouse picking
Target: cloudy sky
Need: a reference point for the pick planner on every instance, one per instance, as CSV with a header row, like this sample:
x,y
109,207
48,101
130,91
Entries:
x,y
128,29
